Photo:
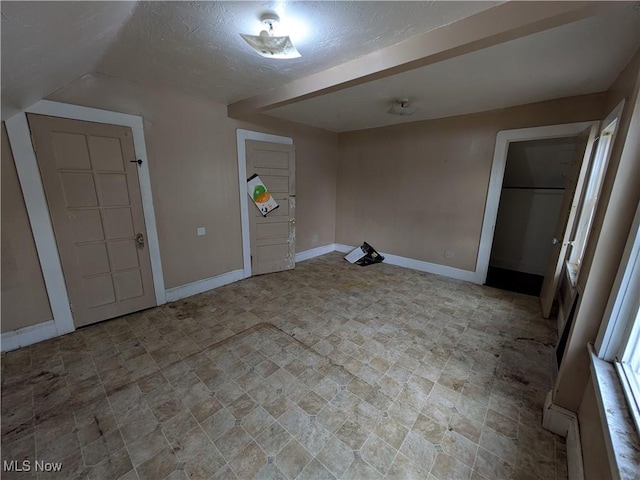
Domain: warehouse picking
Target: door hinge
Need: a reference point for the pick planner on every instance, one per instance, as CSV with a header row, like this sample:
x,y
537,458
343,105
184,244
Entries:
x,y
71,308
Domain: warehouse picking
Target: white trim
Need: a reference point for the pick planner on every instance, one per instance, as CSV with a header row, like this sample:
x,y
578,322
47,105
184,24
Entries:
x,y
555,418
602,155
241,137
575,465
315,252
420,265
203,285
631,389
341,247
564,422
434,268
28,335
503,139
620,436
38,212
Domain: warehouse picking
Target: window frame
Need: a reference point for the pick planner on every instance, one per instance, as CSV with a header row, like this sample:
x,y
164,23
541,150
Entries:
x,y
592,190
619,336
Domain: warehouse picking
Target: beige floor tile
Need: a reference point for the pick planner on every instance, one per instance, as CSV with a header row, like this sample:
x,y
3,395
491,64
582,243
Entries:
x,y
292,459
447,467
349,366
377,453
161,465
248,462
419,450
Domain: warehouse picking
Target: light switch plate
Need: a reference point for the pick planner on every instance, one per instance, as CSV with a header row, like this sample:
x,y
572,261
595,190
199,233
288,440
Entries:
x,y
201,231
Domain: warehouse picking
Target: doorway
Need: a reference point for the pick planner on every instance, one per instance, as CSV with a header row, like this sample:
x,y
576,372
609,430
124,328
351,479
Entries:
x,y
273,235
40,221
534,182
242,138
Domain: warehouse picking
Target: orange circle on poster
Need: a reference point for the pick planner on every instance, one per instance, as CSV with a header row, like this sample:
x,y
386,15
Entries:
x,y
263,197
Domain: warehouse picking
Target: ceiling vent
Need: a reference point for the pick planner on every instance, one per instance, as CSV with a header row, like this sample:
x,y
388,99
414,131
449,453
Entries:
x,y
267,44
402,108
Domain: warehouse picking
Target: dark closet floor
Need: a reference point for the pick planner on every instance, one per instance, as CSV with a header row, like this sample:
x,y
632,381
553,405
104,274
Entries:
x,y
513,281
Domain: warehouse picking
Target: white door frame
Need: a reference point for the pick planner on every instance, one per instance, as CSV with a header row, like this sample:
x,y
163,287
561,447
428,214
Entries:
x,y
241,136
38,211
503,139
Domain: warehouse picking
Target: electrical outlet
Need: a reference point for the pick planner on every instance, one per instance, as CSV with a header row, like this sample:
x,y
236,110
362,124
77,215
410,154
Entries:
x,y
201,231
448,254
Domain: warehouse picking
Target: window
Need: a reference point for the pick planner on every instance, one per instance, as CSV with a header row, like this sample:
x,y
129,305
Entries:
x,y
593,188
628,366
619,337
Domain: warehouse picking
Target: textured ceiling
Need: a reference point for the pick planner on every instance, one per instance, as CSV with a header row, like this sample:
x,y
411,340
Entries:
x,y
46,45
195,47
578,58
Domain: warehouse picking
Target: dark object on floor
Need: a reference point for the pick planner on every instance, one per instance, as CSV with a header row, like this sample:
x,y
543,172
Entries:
x,y
364,255
519,282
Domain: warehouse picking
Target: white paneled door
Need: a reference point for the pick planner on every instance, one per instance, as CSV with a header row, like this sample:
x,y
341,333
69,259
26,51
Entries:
x,y
90,178
273,237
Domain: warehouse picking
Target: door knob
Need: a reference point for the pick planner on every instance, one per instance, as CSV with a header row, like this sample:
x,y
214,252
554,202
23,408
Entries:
x,y
140,240
555,241
292,220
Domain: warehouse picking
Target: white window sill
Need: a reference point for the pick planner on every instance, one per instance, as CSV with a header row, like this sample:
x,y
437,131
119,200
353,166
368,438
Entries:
x,y
621,437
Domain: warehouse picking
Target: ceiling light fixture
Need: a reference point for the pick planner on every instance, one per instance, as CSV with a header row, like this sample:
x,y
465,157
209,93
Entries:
x,y
267,44
402,107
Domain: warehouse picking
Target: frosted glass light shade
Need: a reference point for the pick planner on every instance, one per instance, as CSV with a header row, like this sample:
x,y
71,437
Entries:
x,y
402,109
271,47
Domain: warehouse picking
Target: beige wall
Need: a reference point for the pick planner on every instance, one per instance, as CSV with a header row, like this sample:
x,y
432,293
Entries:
x,y
419,189
24,297
317,155
191,145
594,450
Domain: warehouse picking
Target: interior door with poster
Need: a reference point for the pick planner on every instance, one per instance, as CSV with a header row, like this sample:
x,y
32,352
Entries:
x,y
567,217
90,178
273,236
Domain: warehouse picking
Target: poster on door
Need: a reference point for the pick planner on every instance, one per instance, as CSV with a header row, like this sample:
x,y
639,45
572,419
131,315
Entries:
x,y
260,196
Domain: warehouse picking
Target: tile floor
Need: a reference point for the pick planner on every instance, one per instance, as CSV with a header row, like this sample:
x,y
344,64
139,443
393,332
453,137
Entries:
x,y
327,371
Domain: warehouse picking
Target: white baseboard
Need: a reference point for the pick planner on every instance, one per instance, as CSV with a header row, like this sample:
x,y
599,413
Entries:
x,y
28,335
434,268
575,466
203,285
340,247
420,265
564,422
315,252
556,419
